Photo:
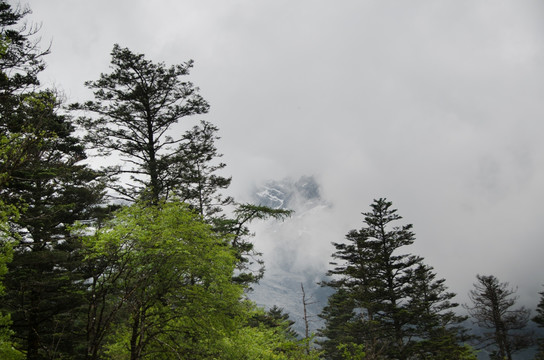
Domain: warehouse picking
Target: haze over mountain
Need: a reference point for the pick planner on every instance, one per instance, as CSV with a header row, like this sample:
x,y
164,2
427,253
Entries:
x,y
435,105
293,249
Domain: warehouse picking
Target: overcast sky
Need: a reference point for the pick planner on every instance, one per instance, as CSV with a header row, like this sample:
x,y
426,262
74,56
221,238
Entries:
x,y
435,105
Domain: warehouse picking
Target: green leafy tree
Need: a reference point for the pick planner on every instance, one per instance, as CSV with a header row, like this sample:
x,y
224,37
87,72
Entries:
x,y
264,335
7,347
492,309
386,302
165,289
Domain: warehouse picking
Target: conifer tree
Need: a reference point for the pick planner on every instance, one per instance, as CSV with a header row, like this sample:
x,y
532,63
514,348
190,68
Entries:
x,y
491,308
539,319
44,281
382,289
135,108
438,328
133,113
192,174
49,187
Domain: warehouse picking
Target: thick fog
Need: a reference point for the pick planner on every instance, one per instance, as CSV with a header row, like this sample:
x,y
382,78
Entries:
x,y
436,106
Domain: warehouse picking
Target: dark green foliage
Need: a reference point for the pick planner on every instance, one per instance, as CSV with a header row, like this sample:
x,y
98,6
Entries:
x,y
438,329
539,319
191,175
275,318
134,110
491,308
22,60
44,280
388,303
341,326
44,182
237,228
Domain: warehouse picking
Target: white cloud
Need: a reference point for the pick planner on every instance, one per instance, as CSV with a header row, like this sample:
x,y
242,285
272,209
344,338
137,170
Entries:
x,y
435,105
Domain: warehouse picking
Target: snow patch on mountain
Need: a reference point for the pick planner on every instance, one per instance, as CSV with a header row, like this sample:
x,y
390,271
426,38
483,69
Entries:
x,y
293,249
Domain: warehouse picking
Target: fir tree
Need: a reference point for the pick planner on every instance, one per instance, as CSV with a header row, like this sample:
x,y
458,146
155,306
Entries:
x,y
385,302
539,319
44,282
491,308
132,115
50,189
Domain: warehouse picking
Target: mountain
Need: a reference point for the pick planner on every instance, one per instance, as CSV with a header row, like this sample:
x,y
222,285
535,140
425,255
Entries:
x,y
293,249
297,251
301,194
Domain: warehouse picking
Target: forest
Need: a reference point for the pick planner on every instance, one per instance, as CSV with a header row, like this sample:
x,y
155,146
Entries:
x,y
118,240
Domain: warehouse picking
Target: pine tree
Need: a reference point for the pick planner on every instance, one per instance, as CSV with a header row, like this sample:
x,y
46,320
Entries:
x,y
132,115
491,308
539,319
192,174
376,278
44,282
386,302
45,183
343,326
439,332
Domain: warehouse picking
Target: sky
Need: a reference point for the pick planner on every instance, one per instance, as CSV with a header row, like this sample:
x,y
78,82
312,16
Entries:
x,y
435,105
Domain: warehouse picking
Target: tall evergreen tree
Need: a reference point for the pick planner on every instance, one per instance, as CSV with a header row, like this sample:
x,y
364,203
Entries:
x,y
45,182
7,214
132,115
491,308
345,326
539,319
45,277
135,108
383,289
22,60
438,328
192,174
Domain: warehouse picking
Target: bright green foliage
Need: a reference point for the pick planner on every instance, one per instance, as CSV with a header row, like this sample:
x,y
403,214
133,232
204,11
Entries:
x,y
386,303
164,286
352,351
262,336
